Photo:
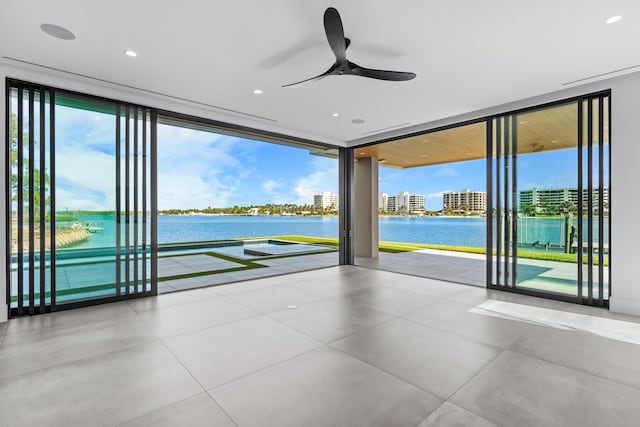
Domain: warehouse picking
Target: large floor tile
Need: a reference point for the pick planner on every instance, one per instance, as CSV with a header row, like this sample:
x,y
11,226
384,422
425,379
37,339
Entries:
x,y
517,390
221,354
450,415
435,360
455,317
80,316
100,391
616,360
388,300
334,285
179,319
30,351
324,388
330,319
427,286
250,285
197,411
168,300
273,298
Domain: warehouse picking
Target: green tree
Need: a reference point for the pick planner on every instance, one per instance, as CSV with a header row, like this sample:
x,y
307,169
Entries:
x,y
568,207
37,176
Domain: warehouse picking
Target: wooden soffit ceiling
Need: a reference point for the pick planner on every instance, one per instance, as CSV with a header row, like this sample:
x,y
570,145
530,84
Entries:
x,y
548,129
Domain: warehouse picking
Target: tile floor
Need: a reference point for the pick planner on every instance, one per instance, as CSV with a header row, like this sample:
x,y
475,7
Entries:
x,y
362,348
470,269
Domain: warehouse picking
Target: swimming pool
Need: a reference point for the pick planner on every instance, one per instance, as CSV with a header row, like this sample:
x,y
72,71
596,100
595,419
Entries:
x,y
262,248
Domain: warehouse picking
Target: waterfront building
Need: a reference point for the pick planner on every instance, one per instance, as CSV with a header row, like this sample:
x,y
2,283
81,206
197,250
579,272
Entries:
x,y
383,198
465,201
543,198
326,201
416,203
402,203
392,204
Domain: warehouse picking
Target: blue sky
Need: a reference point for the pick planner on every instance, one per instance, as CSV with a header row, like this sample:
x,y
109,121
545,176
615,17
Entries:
x,y
199,169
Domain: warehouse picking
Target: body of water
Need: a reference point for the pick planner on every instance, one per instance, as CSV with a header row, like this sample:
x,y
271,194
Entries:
x,y
453,231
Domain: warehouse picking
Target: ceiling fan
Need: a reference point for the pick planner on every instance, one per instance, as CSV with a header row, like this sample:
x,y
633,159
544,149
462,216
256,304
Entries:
x,y
339,44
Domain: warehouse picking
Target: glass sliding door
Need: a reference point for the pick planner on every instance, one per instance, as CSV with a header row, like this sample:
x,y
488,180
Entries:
x,y
550,205
593,211
85,183
78,201
547,199
29,199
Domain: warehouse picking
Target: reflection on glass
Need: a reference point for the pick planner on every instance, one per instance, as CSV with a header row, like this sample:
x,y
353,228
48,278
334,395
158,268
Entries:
x,y
85,200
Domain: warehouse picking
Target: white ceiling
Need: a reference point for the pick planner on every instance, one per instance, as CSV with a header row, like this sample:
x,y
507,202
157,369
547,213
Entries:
x,y
468,54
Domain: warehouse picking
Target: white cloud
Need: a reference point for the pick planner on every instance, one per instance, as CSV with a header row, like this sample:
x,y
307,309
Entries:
x,y
270,185
324,177
85,178
197,169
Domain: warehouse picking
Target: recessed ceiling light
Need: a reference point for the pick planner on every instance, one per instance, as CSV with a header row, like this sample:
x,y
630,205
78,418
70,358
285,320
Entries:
x,y
130,53
614,19
555,141
362,153
468,154
335,114
524,122
424,155
257,91
57,32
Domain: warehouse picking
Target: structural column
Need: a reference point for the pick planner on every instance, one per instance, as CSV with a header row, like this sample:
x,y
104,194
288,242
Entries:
x,y
366,207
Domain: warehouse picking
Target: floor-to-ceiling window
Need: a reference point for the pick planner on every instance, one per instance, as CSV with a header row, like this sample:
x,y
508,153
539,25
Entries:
x,y
527,193
550,201
78,200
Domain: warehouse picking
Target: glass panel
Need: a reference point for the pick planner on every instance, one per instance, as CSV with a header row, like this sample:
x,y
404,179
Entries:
x,y
603,203
85,199
30,199
547,199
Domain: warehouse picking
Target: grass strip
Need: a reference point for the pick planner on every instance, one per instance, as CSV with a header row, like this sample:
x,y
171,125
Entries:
x,y
399,247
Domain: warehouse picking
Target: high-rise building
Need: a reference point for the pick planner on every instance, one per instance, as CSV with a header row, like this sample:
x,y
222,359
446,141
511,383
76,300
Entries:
x,y
392,204
402,203
326,201
465,201
416,203
383,199
542,198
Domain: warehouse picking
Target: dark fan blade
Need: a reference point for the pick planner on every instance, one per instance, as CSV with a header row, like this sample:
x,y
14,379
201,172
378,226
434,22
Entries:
x,y
329,72
396,76
335,34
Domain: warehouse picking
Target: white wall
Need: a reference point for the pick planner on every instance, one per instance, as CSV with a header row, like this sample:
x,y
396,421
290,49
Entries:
x,y
625,155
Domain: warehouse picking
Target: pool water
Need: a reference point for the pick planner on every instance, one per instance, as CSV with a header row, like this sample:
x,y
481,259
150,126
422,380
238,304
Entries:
x,y
262,248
